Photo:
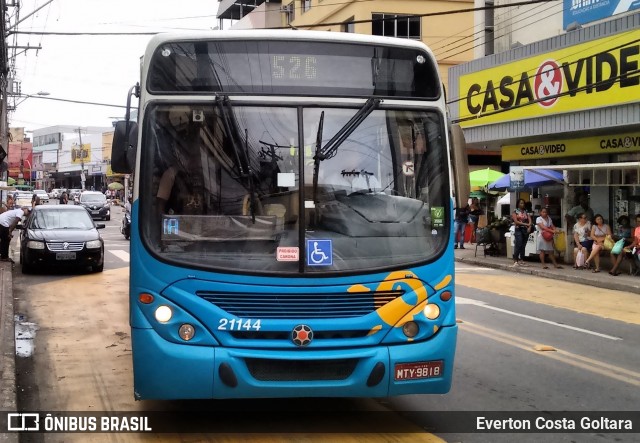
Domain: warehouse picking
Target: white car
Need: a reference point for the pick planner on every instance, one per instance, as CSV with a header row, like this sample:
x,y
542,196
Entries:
x,y
22,199
55,193
44,197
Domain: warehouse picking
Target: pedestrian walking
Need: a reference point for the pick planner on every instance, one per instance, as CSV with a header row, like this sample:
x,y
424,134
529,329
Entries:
x,y
64,199
522,224
459,224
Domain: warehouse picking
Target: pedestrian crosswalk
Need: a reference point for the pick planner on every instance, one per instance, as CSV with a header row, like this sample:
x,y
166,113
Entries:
x,y
119,253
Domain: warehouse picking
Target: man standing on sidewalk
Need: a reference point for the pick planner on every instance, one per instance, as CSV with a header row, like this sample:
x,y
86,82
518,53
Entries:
x,y
8,221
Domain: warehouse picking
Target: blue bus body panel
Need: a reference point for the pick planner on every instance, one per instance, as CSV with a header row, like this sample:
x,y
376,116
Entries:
x,y
189,372
259,351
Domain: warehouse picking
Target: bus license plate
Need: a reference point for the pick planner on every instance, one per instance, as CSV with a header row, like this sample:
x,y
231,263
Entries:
x,y
65,256
418,370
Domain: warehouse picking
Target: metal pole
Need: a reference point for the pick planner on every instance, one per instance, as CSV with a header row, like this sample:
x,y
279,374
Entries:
x,y
82,177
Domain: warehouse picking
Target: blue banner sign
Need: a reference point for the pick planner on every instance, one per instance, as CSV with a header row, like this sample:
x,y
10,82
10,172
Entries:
x,y
586,11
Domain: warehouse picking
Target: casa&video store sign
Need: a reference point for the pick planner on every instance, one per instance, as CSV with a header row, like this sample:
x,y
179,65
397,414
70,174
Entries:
x,y
594,74
606,144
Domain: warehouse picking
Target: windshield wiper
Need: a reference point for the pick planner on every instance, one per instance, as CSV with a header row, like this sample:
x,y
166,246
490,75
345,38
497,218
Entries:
x,y
331,148
244,163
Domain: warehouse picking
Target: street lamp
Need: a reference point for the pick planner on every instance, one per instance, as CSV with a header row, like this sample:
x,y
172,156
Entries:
x,y
40,93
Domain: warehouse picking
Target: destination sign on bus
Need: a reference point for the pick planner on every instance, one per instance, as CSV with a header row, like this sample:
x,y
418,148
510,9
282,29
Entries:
x,y
293,68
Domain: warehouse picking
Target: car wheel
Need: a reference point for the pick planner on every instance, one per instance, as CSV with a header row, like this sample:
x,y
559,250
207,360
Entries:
x,y
107,218
26,269
126,236
98,268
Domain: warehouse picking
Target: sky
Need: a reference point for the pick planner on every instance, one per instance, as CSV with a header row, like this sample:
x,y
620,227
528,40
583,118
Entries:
x,y
98,69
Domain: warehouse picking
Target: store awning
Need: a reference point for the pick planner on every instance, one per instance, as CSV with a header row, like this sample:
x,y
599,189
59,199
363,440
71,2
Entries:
x,y
591,171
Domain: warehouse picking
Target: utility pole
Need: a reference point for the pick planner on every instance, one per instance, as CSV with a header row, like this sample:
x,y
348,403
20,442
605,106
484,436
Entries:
x,y
82,176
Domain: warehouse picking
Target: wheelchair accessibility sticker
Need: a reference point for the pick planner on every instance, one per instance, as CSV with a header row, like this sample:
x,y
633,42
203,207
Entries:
x,y
319,252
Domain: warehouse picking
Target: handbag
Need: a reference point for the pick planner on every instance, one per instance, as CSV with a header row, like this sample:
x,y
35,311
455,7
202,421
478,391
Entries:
x,y
617,247
580,259
547,235
608,243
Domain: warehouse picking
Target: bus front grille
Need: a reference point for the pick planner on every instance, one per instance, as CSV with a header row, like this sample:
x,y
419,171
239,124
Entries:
x,y
300,370
300,305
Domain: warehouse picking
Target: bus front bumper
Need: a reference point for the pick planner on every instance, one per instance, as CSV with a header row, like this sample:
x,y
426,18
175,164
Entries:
x,y
169,371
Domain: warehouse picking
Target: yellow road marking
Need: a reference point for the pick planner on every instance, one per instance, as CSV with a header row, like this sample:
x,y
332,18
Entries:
x,y
577,360
604,303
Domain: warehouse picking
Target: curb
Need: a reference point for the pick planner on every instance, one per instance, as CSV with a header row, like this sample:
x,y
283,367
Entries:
x,y
564,276
8,350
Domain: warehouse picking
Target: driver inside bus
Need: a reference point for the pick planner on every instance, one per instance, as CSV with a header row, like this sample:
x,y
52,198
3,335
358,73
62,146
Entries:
x,y
178,186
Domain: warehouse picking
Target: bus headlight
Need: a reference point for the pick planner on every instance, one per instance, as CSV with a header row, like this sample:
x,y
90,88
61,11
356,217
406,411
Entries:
x,y
432,311
163,313
410,329
93,244
31,244
186,332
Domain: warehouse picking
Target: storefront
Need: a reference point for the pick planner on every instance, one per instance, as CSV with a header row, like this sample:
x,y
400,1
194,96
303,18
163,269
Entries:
x,y
570,103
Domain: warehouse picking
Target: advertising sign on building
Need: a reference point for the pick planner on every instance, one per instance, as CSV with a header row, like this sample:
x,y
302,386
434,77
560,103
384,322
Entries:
x,y
586,11
594,74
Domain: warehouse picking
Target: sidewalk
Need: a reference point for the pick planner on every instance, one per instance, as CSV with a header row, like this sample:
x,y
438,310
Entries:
x,y
623,282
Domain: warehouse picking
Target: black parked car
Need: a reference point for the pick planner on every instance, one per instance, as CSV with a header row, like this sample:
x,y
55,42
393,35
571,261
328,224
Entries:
x,y
61,236
96,204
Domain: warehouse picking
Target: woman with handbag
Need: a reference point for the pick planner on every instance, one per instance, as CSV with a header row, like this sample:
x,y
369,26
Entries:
x,y
522,224
624,240
544,241
582,240
599,233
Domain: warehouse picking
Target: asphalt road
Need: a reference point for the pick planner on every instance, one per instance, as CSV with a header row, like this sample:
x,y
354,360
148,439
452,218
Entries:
x,y
525,344
515,354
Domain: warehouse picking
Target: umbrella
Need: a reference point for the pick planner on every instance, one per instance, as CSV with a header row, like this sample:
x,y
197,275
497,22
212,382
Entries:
x,y
478,194
504,200
115,186
533,178
482,177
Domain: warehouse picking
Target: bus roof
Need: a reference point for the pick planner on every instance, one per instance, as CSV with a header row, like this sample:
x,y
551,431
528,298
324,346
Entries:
x,y
274,34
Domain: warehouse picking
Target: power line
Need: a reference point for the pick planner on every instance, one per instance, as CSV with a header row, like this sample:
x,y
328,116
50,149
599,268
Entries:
x,y
495,37
478,35
82,102
429,14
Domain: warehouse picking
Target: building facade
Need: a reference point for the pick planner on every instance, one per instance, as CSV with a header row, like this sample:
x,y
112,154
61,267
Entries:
x,y
72,156
569,103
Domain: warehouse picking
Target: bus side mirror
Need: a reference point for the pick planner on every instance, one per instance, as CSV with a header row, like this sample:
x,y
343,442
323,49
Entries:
x,y
123,151
460,163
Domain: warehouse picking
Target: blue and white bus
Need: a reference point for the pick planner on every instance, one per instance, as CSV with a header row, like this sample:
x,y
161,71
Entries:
x,y
292,217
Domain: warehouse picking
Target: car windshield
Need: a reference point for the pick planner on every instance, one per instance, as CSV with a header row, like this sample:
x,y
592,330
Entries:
x,y
61,219
237,188
93,198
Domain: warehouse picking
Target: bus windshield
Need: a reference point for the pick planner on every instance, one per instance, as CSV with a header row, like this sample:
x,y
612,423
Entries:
x,y
234,188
